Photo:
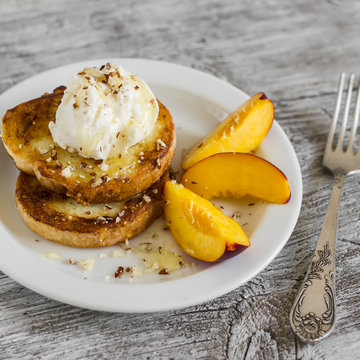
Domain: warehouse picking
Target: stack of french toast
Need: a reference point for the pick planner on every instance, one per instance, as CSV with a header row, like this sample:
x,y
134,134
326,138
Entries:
x,y
78,201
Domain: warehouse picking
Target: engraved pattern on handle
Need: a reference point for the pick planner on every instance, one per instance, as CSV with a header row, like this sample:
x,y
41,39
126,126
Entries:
x,y
314,321
312,316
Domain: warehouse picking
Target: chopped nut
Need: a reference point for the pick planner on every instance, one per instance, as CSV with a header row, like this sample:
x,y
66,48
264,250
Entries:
x,y
119,272
42,151
66,172
117,253
105,178
160,144
236,214
147,198
52,256
86,264
58,165
164,271
101,220
96,182
72,261
136,271
53,154
148,247
104,166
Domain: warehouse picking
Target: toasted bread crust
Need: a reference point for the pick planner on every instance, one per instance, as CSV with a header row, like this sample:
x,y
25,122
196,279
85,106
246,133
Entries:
x,y
47,214
27,138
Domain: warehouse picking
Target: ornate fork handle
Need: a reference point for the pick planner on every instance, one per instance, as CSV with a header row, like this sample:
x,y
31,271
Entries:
x,y
312,316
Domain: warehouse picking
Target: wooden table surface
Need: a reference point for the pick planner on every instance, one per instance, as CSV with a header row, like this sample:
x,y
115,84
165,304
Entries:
x,y
294,51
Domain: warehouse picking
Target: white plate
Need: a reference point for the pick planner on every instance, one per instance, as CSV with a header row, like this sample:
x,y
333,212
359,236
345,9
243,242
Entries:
x,y
197,102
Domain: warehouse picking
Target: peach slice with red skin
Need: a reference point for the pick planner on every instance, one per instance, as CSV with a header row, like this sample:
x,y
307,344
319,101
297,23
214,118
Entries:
x,y
237,175
242,131
200,229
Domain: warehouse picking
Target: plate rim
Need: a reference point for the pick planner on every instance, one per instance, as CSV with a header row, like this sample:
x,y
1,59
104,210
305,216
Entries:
x,y
132,288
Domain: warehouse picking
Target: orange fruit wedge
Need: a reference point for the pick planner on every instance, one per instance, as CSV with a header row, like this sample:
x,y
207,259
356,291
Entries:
x,y
242,131
236,175
200,229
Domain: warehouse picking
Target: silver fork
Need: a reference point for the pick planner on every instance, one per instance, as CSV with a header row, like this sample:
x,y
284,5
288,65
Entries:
x,y
312,315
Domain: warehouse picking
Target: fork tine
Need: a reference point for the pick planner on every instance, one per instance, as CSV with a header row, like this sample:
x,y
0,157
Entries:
x,y
355,122
340,143
336,113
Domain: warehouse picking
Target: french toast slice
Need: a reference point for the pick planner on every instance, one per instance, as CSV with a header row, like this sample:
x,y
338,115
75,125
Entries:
x,y
61,219
27,138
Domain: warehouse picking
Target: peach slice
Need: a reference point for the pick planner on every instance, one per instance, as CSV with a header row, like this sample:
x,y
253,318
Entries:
x,y
242,131
237,175
201,230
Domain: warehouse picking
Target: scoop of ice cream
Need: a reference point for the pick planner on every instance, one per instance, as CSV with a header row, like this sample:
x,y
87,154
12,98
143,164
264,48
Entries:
x,y
103,112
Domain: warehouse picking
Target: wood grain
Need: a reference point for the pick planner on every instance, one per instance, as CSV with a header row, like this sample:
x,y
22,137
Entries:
x,y
294,52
